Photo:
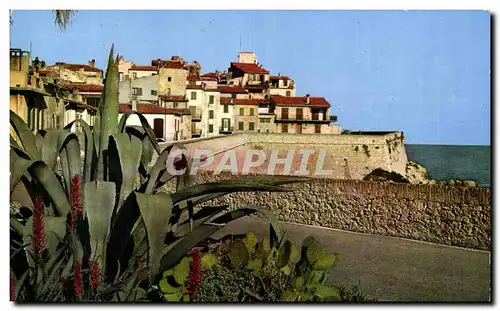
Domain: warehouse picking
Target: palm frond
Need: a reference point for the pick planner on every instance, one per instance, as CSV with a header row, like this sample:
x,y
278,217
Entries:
x,y
63,18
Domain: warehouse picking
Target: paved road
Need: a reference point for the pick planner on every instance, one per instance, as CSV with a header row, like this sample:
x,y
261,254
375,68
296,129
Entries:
x,y
393,269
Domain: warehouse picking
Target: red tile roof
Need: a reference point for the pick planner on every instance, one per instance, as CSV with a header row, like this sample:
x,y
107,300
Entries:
x,y
174,65
242,101
144,68
173,98
249,68
208,79
194,87
89,88
77,67
231,89
214,75
152,109
279,78
318,102
193,78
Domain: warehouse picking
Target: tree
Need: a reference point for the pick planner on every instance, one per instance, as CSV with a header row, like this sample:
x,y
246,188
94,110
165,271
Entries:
x,y
62,18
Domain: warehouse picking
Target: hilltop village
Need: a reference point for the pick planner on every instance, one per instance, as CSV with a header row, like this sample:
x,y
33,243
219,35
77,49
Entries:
x,y
178,100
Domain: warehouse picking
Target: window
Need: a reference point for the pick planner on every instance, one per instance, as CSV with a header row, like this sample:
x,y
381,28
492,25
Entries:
x,y
251,111
136,91
193,95
134,75
317,128
251,126
264,120
284,128
175,104
233,95
154,92
169,79
288,93
242,112
226,108
240,126
210,114
210,128
211,99
285,83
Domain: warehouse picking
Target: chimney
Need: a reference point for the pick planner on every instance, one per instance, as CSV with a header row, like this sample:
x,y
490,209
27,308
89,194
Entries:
x,y
308,99
92,63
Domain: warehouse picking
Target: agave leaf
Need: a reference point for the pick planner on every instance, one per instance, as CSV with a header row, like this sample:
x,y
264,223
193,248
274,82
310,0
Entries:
x,y
199,217
145,125
215,187
39,138
259,180
55,228
18,167
160,168
89,147
25,135
155,211
50,147
123,224
108,110
99,201
48,180
140,238
16,225
20,284
128,150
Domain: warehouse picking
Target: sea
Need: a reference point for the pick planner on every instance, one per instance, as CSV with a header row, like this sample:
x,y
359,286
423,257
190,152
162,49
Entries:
x,y
446,162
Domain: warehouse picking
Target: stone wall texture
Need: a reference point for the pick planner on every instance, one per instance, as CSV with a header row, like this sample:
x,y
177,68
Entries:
x,y
346,156
456,216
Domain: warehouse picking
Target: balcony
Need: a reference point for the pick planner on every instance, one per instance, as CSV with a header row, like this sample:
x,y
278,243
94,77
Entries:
x,y
315,118
226,130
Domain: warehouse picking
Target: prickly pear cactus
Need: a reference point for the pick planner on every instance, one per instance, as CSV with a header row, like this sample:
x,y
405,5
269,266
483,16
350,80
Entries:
x,y
250,242
238,254
308,283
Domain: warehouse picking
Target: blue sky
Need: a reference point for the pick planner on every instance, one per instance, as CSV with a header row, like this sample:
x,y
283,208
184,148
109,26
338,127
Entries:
x,y
426,73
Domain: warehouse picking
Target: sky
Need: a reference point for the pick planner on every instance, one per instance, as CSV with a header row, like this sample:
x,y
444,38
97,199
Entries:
x,y
426,73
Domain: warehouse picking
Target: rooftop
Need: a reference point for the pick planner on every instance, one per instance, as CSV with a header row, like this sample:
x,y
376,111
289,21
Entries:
x,y
90,88
231,89
317,102
249,68
144,68
76,67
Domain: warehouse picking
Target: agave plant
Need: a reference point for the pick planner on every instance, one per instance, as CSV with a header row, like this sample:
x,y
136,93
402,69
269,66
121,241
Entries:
x,y
109,232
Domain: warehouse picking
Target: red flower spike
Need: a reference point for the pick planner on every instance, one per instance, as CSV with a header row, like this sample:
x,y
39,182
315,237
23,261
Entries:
x,y
194,273
77,279
38,235
12,289
76,199
95,275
